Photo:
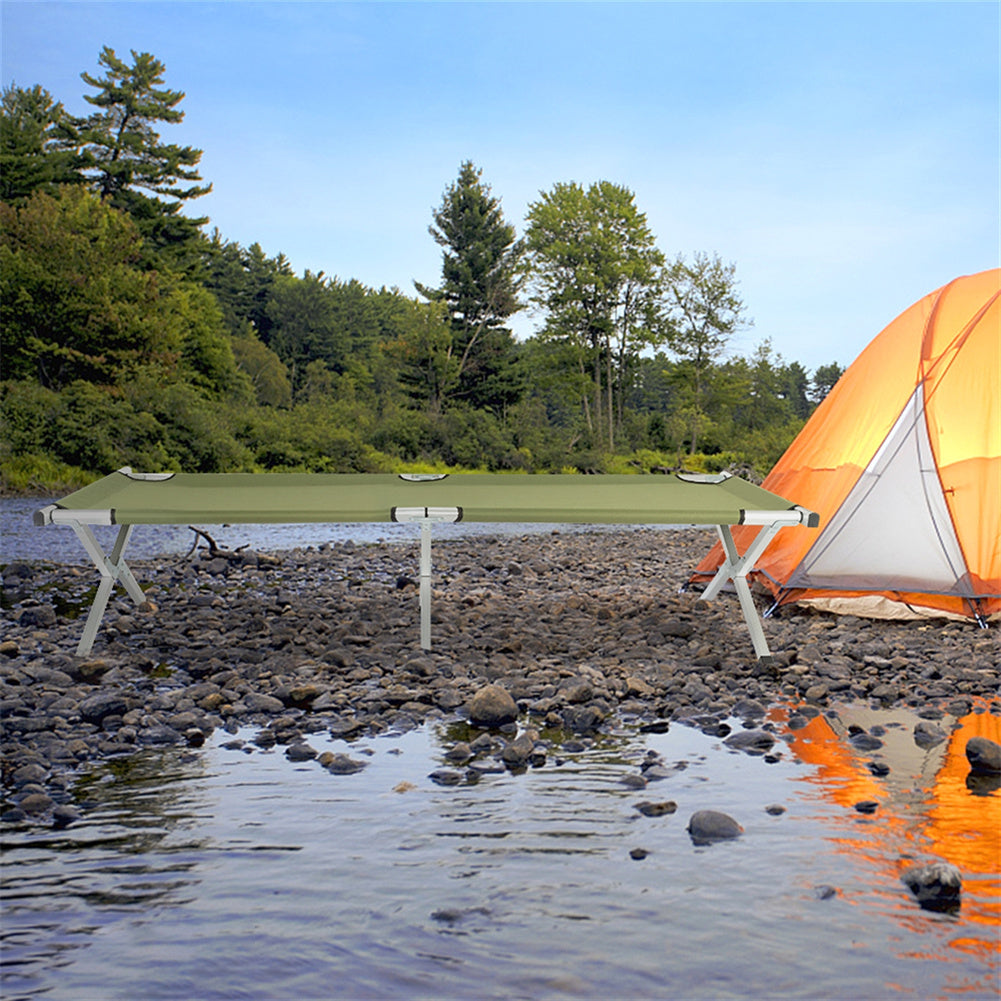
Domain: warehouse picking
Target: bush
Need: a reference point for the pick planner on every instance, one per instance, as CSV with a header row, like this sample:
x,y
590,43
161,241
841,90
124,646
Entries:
x,y
39,475
25,408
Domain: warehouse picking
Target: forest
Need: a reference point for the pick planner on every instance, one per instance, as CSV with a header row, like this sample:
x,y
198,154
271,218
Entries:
x,y
132,334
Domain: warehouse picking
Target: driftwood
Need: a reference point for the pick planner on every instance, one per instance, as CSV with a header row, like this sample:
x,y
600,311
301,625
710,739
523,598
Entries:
x,y
233,555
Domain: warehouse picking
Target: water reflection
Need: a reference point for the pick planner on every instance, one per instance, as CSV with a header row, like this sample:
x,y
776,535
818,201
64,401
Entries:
x,y
240,873
135,850
930,807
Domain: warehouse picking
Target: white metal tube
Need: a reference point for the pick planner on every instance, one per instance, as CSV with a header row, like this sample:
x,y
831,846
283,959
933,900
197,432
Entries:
x,y
425,588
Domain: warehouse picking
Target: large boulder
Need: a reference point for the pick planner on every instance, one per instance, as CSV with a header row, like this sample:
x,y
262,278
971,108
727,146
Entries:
x,y
984,755
707,826
492,706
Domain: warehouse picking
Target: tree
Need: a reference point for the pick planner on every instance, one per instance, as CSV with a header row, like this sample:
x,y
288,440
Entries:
x,y
824,380
795,387
242,280
425,351
37,142
73,303
704,311
480,284
124,153
594,269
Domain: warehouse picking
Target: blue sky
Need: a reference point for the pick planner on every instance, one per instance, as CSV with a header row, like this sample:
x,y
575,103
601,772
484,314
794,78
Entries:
x,y
843,155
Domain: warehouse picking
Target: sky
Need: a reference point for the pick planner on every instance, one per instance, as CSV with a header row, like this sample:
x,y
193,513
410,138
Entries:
x,y
844,156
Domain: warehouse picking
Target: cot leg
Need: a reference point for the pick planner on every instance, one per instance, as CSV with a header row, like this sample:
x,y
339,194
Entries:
x,y
113,569
736,567
425,583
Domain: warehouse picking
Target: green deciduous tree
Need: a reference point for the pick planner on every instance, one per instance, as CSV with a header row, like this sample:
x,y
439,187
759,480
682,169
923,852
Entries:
x,y
480,284
76,303
704,311
594,270
73,302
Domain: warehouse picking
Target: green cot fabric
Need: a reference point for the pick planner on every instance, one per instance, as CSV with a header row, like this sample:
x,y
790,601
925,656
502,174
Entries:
x,y
291,498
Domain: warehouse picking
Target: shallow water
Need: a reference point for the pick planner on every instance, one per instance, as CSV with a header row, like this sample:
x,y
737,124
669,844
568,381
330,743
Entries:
x,y
227,874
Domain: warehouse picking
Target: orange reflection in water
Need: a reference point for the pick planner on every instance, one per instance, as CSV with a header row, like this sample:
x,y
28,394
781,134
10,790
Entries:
x,y
930,809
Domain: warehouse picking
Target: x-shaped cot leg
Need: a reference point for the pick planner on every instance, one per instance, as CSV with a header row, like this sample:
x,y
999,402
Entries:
x,y
736,567
113,570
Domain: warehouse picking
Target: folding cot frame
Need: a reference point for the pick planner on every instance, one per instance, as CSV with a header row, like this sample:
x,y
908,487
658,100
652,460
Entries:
x,y
114,570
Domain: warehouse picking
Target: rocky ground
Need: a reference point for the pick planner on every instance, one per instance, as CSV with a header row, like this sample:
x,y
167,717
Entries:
x,y
567,631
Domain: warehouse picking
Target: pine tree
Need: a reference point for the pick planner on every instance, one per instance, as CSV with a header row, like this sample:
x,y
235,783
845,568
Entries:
x,y
37,143
119,137
480,284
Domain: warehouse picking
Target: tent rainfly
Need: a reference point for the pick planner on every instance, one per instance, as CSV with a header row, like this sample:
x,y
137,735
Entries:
x,y
902,461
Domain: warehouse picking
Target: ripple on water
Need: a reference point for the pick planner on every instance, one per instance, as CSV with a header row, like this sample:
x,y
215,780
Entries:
x,y
228,875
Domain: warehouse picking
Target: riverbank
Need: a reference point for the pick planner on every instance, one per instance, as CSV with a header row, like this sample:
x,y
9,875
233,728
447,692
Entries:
x,y
567,632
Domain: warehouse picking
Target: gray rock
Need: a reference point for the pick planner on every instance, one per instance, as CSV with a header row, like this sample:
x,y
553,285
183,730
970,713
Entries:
x,y
38,616
928,735
518,751
707,826
984,756
341,764
64,815
937,887
257,702
750,741
634,781
96,707
300,752
657,809
32,772
459,752
35,803
863,741
486,766
446,777
748,709
492,706
160,735
583,719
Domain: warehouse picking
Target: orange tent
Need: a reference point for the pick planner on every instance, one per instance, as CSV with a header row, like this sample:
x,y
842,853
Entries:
x,y
902,461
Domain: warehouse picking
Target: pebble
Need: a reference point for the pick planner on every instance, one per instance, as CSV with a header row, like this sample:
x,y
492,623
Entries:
x,y
928,735
707,826
341,764
657,809
937,886
984,756
446,777
750,741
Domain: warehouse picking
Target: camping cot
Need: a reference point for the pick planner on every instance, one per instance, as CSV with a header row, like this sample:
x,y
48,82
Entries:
x,y
126,499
